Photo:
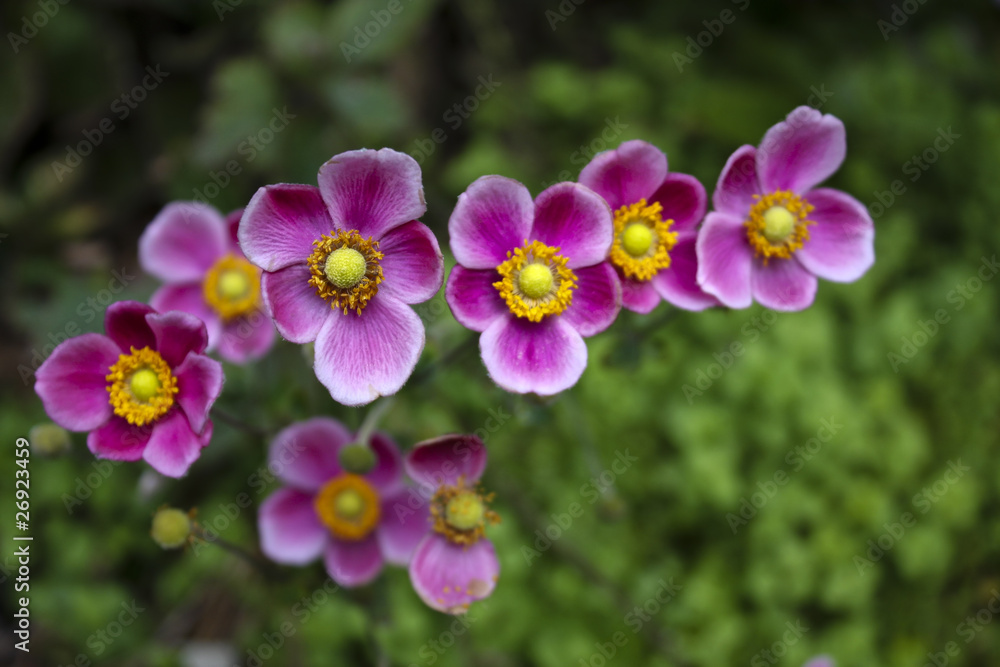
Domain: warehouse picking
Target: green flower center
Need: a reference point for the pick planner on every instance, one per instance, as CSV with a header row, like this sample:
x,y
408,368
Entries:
x,y
345,267
233,284
144,384
637,239
778,224
465,511
535,280
349,504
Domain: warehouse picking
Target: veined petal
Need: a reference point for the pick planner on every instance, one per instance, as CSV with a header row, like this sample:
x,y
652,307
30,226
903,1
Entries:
x,y
298,311
724,260
304,455
280,224
413,266
596,300
473,299
623,176
449,577
841,245
783,284
683,200
541,357
575,219
492,217
802,151
72,382
182,242
173,446
290,531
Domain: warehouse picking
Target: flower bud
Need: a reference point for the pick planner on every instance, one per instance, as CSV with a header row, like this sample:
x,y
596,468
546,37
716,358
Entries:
x,y
171,527
357,458
49,439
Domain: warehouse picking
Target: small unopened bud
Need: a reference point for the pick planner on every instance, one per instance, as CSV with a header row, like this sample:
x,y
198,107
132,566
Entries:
x,y
49,439
171,527
357,458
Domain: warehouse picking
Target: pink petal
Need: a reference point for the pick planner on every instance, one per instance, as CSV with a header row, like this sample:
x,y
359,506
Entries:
x,y
596,300
298,311
820,661
177,333
542,357
413,268
290,531
802,151
247,338
683,200
678,283
446,459
387,475
353,564
639,296
575,219
724,258
125,323
782,285
199,383
473,299
304,455
841,245
280,224
738,183
182,242
72,381
449,577
492,217
402,526
189,298
233,225
372,191
173,446
118,440
623,176
362,357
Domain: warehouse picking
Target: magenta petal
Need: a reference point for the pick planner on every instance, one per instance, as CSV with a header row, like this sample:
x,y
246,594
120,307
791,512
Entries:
x,y
233,226
362,357
177,333
72,381
473,299
189,298
683,200
820,661
280,224
492,217
575,219
183,242
199,383
724,258
372,191
413,267
738,183
353,564
542,357
125,323
446,459
118,440
173,446
304,455
802,151
596,300
290,531
782,285
678,283
841,245
387,475
449,577
623,176
298,311
247,338
402,526
639,296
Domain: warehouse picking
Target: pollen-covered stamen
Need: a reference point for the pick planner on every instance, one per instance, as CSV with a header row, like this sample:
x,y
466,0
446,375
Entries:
x,y
349,506
535,281
642,240
232,287
141,387
778,224
461,513
345,270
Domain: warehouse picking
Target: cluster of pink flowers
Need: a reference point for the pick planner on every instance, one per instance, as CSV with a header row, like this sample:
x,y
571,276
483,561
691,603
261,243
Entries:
x,y
342,263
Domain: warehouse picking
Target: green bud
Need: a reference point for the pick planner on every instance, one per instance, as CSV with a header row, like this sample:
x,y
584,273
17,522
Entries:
x,y
357,459
171,527
49,439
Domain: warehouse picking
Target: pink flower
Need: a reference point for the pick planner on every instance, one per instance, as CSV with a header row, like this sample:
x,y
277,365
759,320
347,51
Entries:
x,y
820,661
356,522
193,250
454,565
656,223
773,232
341,264
143,391
532,277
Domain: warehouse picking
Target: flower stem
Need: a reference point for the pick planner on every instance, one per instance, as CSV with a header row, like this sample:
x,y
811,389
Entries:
x,y
238,423
371,420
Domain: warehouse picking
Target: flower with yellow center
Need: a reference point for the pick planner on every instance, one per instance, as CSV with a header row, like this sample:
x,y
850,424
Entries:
x,y
345,270
348,506
141,386
535,281
642,240
232,287
778,224
461,513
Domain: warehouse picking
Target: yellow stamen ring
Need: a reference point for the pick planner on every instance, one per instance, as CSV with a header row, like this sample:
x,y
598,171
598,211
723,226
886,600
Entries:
x,y
778,224
535,281
642,240
461,513
345,269
141,387
348,506
232,287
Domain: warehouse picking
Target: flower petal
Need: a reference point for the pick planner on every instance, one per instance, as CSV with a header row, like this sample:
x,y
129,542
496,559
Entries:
x,y
683,200
623,176
362,357
782,285
841,245
247,338
298,311
639,297
402,526
738,183
125,323
304,455
183,242
280,224
724,258
387,475
443,460
473,299
372,191
233,226
199,383
189,298
575,219
802,151
413,267
72,381
678,283
118,440
820,661
596,300
290,531
177,333
449,577
353,564
173,446
542,357
492,217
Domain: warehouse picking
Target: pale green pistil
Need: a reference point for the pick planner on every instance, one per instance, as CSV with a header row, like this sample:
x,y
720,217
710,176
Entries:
x,y
535,280
233,284
637,239
465,511
144,384
349,504
778,224
345,267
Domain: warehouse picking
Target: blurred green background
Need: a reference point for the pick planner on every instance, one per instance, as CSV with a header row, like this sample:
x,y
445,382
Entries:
x,y
821,438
